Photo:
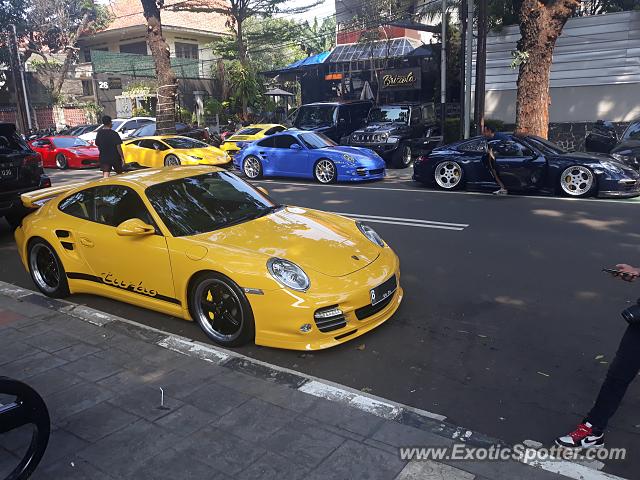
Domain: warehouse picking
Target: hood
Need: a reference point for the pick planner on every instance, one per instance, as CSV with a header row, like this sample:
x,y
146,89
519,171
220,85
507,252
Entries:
x,y
323,127
85,149
360,153
316,241
384,127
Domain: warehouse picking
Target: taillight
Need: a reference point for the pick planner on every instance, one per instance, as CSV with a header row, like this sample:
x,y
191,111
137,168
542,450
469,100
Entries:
x,y
32,160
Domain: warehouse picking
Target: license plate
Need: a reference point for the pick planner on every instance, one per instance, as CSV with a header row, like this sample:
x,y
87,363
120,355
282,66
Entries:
x,y
384,291
7,173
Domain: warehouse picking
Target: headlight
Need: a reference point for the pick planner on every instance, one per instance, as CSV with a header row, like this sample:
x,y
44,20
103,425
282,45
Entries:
x,y
618,157
370,233
348,158
289,274
393,140
195,157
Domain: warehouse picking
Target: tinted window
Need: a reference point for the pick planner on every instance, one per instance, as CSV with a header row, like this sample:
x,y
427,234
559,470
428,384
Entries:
x,y
416,117
428,113
267,142
504,148
185,142
273,130
632,132
67,142
115,204
545,146
284,141
205,203
152,144
248,131
79,205
146,131
130,125
310,116
41,143
475,145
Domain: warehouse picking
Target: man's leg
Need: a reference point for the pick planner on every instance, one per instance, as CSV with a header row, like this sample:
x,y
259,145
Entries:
x,y
493,167
623,370
106,169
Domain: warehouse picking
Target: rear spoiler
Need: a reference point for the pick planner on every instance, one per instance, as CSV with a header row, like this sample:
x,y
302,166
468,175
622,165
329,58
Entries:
x,y
37,198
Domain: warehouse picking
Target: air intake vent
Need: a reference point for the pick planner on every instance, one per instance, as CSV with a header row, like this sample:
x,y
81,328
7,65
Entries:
x,y
329,319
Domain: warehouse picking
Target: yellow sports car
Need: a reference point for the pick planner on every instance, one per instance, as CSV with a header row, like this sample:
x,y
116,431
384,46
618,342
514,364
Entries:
x,y
202,244
171,150
233,144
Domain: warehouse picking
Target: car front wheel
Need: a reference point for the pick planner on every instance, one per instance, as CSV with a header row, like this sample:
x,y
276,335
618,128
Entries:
x,y
402,157
252,167
46,269
221,309
325,171
171,160
449,175
61,162
577,181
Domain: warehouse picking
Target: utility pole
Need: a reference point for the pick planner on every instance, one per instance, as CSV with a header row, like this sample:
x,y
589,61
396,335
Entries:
x,y
468,68
463,66
481,66
22,103
443,70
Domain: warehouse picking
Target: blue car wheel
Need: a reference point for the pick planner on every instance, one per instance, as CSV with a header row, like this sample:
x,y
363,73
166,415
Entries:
x,y
325,171
252,167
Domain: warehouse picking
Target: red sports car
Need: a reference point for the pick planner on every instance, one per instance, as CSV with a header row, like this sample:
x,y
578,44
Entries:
x,y
66,152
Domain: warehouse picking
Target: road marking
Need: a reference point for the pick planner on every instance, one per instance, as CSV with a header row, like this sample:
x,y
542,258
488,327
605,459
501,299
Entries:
x,y
631,201
408,222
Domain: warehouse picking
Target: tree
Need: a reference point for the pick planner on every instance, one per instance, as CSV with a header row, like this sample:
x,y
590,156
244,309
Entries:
x,y
167,82
237,13
540,26
318,37
12,12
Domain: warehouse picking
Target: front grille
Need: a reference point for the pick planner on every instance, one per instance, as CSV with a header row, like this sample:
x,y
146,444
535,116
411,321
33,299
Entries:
x,y
370,310
332,323
367,137
376,171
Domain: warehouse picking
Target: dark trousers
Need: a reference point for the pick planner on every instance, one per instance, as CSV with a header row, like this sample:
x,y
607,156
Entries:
x,y
622,371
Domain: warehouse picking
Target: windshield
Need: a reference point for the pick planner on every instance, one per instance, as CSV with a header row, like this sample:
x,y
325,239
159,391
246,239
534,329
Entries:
x,y
208,202
315,115
316,140
68,142
632,132
146,131
184,142
389,114
115,124
545,146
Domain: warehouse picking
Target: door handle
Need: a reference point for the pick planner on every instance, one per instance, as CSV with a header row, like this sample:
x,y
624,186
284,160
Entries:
x,y
86,242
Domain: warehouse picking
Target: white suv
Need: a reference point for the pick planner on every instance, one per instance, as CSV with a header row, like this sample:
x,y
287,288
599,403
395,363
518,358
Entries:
x,y
123,126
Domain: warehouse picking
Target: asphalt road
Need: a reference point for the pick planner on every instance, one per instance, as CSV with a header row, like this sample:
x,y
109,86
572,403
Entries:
x,y
507,323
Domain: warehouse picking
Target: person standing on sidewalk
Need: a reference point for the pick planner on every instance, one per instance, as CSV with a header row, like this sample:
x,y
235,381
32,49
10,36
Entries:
x,y
623,369
490,134
109,144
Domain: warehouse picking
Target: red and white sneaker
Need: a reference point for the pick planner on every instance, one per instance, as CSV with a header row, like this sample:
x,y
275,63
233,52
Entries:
x,y
582,437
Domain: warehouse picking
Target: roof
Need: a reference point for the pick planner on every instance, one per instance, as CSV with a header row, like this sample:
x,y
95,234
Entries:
x,y
396,47
308,61
128,13
152,176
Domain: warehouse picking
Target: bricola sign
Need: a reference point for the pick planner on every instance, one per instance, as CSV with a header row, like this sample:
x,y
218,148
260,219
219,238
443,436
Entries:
x,y
401,79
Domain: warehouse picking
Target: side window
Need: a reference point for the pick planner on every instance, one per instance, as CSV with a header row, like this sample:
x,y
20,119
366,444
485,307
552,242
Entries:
x,y
343,114
509,148
153,145
428,114
273,130
130,125
145,144
116,204
416,116
41,143
284,141
267,142
80,204
476,145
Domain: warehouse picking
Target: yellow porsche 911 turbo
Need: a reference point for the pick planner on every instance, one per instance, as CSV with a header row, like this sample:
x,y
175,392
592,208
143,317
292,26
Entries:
x,y
169,150
201,244
233,144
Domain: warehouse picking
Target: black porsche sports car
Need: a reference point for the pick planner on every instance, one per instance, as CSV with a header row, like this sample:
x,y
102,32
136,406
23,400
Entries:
x,y
526,164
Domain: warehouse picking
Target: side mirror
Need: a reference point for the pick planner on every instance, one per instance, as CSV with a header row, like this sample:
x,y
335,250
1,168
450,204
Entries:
x,y
134,227
263,190
295,146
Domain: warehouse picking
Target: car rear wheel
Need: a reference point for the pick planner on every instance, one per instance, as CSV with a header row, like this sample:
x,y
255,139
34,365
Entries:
x,y
171,161
325,171
252,167
61,162
46,269
402,157
449,175
577,181
221,309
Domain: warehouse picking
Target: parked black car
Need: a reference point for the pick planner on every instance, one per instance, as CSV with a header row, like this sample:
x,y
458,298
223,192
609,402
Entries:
x,y
399,131
182,129
20,172
527,164
336,120
626,149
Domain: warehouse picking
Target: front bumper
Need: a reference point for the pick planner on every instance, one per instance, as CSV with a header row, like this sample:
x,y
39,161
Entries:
x,y
280,314
360,174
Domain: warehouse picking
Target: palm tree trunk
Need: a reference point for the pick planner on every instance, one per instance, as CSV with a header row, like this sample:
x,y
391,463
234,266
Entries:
x,y
167,83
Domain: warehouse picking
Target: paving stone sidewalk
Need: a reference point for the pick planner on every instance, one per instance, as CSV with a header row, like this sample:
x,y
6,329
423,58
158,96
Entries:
x,y
102,387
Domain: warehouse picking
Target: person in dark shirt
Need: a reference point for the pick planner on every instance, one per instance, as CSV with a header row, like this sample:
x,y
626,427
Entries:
x,y
490,134
109,144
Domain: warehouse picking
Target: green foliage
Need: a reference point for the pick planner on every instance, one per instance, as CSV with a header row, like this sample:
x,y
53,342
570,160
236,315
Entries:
x,y
243,82
141,112
183,114
137,89
317,37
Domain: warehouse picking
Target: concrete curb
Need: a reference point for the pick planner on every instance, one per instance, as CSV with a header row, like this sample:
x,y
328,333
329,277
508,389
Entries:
x,y
372,404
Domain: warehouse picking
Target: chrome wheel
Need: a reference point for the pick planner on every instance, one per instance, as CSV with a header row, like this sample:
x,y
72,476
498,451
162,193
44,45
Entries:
x,y
251,167
577,181
61,161
448,175
171,161
219,310
325,171
45,268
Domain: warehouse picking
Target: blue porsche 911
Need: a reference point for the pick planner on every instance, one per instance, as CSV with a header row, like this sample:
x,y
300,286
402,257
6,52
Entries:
x,y
304,154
